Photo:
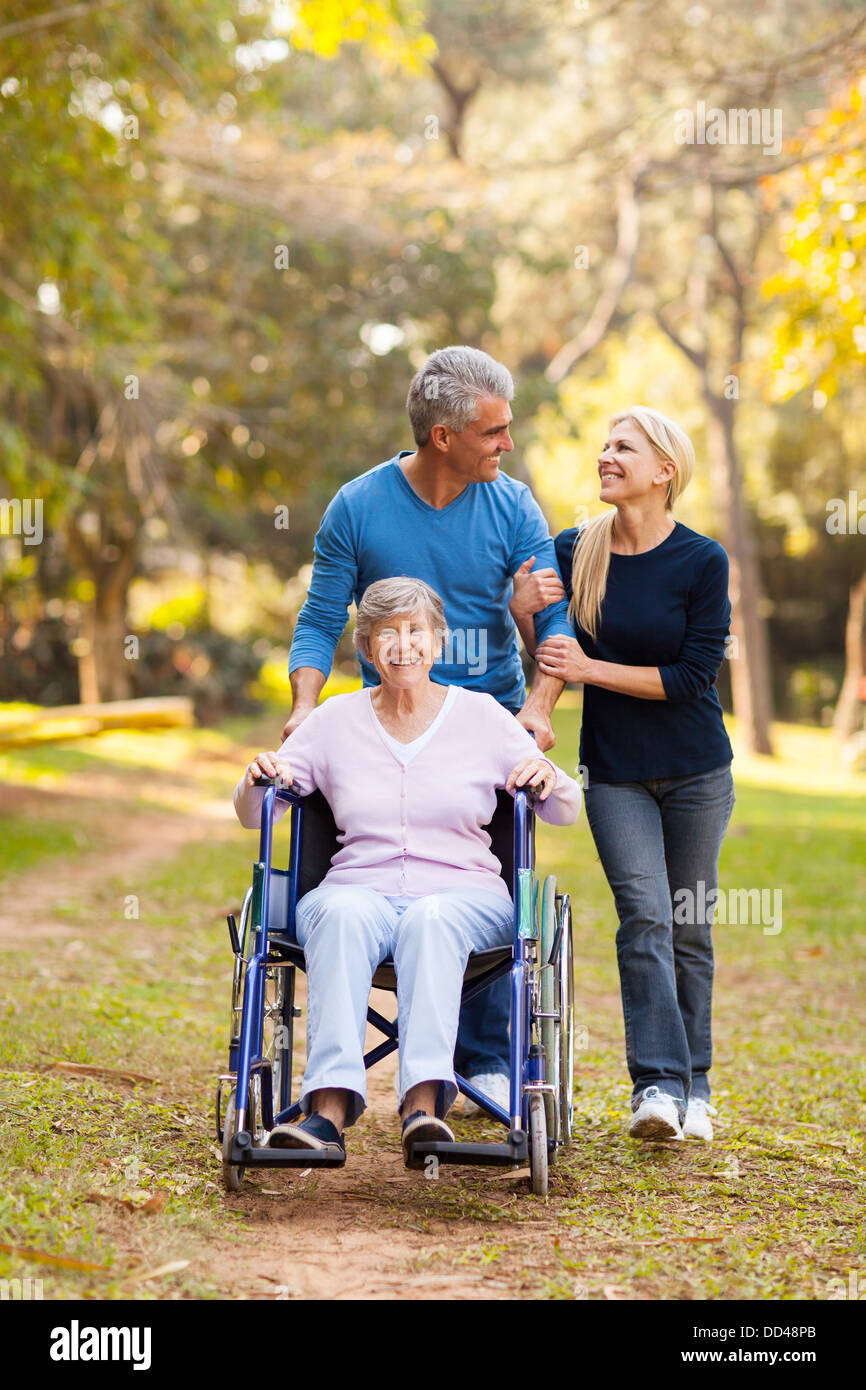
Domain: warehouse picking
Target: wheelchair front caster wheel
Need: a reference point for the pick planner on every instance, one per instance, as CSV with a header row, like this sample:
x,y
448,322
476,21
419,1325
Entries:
x,y
233,1173
538,1145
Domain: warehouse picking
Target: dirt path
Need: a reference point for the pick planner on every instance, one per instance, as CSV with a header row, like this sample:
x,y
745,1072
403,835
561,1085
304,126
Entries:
x,y
126,846
374,1230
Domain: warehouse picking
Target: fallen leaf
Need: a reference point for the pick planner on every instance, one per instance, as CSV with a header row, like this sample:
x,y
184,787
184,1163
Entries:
x,y
109,1199
155,1203
509,1177
42,1257
84,1069
140,1276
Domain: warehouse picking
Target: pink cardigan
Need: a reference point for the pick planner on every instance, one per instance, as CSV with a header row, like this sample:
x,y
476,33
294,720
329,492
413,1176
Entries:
x,y
416,829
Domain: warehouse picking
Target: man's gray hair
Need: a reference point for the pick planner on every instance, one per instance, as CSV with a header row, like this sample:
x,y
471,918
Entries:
x,y
447,389
402,594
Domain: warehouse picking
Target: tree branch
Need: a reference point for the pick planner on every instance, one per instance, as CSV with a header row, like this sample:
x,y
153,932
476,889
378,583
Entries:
x,y
697,358
51,17
620,270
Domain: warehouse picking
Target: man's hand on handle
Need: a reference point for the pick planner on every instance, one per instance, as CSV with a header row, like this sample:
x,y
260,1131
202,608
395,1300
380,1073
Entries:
x,y
297,716
538,723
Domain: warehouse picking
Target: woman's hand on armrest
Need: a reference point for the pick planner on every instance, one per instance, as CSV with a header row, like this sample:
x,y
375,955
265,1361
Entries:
x,y
268,765
537,773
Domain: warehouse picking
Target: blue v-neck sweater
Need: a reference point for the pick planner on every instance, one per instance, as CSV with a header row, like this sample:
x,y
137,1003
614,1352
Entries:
x,y
377,527
669,608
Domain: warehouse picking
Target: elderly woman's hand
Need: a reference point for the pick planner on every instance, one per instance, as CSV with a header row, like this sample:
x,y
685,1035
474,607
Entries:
x,y
268,765
533,772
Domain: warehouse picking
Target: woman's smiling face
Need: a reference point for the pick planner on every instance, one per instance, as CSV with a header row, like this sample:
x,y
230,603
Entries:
x,y
629,466
402,649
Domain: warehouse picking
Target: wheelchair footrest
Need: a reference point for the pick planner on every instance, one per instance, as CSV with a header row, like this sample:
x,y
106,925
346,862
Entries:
x,y
515,1151
283,1158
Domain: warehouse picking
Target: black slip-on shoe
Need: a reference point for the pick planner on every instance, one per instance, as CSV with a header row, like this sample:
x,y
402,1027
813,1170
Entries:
x,y
421,1128
315,1132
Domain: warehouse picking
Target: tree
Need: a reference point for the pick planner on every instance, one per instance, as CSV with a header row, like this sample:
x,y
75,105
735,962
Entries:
x,y
818,298
96,395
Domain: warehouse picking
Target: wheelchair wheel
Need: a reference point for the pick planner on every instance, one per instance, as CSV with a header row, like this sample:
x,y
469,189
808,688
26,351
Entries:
x,y
565,1027
277,1031
538,1145
550,1029
233,1173
240,962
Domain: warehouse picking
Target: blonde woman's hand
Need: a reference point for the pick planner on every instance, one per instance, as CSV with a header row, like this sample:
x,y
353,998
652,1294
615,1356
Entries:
x,y
564,658
533,772
268,765
532,592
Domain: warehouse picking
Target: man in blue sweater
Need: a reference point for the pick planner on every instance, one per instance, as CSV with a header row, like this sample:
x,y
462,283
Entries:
x,y
444,513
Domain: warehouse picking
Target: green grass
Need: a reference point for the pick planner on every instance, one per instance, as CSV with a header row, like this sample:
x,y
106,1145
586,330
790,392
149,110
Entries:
x,y
26,843
772,1210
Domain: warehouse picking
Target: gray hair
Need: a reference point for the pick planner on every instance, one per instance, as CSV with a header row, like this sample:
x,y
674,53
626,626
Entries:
x,y
447,389
399,595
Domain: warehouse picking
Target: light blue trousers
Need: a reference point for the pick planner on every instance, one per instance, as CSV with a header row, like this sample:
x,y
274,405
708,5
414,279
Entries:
x,y
346,933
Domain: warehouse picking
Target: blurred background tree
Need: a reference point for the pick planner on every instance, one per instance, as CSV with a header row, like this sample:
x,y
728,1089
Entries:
x,y
232,231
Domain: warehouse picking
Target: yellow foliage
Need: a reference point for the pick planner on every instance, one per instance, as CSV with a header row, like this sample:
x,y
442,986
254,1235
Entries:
x,y
392,30
819,292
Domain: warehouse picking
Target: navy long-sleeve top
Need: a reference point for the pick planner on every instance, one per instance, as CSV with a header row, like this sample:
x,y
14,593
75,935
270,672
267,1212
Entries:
x,y
669,608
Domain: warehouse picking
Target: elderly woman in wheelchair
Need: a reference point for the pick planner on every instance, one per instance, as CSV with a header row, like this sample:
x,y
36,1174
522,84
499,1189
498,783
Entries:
x,y
410,769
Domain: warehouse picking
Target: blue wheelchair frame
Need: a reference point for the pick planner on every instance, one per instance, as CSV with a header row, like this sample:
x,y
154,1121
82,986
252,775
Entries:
x,y
527,1061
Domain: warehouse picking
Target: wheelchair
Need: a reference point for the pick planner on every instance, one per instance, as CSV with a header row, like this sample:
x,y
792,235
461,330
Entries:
x,y
254,1094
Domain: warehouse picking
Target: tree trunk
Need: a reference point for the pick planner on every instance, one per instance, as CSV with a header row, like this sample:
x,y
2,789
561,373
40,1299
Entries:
x,y
104,670
750,665
846,719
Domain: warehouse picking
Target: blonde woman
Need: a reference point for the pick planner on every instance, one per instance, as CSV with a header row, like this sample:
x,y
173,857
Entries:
x,y
649,604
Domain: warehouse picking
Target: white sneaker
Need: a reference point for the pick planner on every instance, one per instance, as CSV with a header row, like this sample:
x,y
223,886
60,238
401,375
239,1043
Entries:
x,y
656,1117
698,1124
494,1085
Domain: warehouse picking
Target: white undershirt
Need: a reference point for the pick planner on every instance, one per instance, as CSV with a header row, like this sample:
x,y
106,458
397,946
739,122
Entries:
x,y
407,751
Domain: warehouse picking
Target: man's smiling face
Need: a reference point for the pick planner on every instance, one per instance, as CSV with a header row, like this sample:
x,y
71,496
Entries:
x,y
474,453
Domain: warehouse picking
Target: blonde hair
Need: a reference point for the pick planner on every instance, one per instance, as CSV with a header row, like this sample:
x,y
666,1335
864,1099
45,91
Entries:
x,y
591,559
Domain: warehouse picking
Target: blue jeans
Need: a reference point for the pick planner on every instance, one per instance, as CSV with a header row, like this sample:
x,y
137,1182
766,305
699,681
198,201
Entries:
x,y
482,1038
659,844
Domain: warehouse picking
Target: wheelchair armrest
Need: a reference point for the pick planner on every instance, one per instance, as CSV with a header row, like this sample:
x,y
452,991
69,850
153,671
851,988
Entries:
x,y
531,794
286,791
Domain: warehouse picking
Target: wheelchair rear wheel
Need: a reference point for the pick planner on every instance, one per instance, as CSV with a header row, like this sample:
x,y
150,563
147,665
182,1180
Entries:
x,y
550,1027
565,1009
538,1144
